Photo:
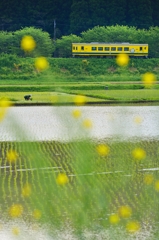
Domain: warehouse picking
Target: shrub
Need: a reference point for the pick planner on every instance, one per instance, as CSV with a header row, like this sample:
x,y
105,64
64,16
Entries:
x,y
10,42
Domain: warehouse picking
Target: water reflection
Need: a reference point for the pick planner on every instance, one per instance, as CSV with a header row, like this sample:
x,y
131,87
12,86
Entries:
x,y
57,123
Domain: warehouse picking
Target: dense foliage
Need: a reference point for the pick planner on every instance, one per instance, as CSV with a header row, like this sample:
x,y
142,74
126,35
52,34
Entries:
x,y
70,69
45,46
75,16
11,41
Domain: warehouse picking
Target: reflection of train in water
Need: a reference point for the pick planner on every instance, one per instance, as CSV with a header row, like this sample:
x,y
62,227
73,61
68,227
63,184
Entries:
x,y
109,49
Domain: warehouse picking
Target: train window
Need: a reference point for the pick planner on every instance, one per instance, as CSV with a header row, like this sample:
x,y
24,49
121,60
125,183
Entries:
x,y
113,48
126,49
94,48
107,48
76,48
82,47
119,48
140,48
100,48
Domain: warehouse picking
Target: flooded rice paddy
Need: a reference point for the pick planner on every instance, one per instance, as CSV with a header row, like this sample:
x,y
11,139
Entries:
x,y
57,123
47,142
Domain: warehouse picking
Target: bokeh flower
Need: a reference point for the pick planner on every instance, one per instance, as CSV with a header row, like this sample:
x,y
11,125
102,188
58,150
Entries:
x,y
139,153
114,218
122,59
80,100
15,231
102,149
41,63
148,79
125,211
87,123
62,179
12,156
138,119
148,179
16,210
37,214
26,190
133,226
4,105
76,113
28,43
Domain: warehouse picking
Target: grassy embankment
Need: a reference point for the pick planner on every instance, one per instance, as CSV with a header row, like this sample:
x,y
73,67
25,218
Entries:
x,y
99,79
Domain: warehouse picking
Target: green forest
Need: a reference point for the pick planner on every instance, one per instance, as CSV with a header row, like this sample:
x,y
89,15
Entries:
x,y
76,16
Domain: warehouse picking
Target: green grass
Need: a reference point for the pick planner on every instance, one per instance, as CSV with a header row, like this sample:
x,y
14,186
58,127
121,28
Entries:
x,y
122,95
43,98
93,96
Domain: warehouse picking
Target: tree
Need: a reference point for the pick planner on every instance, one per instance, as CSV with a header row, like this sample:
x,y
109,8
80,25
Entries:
x,y
115,33
44,44
139,13
80,16
155,11
63,45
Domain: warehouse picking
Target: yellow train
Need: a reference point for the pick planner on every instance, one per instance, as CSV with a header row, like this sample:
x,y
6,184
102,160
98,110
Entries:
x,y
109,49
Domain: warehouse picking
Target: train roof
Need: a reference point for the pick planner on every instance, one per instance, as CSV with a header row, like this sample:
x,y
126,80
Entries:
x,y
114,43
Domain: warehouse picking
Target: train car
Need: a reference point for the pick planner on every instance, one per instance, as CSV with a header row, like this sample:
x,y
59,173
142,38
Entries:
x,y
109,49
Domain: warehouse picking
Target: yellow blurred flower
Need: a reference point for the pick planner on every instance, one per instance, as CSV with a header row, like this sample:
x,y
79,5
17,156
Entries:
x,y
4,105
62,179
76,113
114,218
148,179
28,43
37,214
15,231
54,99
157,185
87,123
139,153
80,100
41,63
138,119
148,79
26,190
122,59
125,211
12,156
16,210
133,226
103,149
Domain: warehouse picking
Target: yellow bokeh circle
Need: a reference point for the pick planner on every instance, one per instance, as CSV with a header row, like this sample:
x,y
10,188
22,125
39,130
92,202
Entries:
x,y
62,179
122,59
148,79
139,153
132,226
76,113
41,63
114,218
102,149
125,211
80,100
28,43
16,210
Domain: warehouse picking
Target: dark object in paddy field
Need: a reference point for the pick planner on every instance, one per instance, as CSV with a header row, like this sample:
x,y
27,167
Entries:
x,y
106,87
28,97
